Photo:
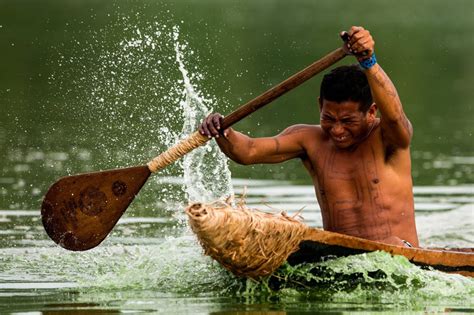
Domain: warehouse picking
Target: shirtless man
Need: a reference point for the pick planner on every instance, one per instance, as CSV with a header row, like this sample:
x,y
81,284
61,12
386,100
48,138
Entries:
x,y
360,164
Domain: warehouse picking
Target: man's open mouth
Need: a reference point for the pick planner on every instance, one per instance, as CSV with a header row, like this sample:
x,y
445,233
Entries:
x,y
341,138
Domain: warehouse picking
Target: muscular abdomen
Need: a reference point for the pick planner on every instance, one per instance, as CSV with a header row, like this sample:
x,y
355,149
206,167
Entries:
x,y
362,196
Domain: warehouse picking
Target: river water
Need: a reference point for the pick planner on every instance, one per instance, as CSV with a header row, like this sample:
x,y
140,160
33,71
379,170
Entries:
x,y
87,86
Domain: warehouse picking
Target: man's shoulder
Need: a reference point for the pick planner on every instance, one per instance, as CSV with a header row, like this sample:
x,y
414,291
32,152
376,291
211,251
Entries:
x,y
305,134
302,129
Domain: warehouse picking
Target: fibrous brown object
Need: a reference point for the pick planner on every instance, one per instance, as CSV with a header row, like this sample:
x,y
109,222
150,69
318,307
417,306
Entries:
x,y
247,242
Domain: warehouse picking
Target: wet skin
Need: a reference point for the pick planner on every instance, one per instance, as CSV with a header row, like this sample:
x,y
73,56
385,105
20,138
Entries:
x,y
360,164
363,189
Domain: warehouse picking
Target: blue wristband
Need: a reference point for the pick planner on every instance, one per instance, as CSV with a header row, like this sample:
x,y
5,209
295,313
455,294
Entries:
x,y
368,63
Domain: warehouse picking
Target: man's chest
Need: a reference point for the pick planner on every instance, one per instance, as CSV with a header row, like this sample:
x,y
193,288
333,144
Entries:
x,y
348,174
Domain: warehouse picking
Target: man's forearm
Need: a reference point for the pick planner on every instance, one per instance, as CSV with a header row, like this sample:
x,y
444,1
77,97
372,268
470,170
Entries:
x,y
235,145
384,93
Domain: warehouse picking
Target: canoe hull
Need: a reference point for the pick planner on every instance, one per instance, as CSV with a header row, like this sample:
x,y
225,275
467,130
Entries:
x,y
318,244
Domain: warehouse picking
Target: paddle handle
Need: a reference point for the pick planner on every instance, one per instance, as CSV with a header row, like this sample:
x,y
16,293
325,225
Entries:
x,y
196,139
285,86
177,151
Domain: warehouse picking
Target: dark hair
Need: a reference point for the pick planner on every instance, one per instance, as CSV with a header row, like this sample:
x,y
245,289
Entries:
x,y
347,83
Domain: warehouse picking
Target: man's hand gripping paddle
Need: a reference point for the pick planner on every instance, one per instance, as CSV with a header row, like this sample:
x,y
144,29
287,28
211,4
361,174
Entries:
x,y
78,212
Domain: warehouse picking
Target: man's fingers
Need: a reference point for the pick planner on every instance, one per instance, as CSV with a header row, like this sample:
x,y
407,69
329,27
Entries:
x,y
205,127
365,44
216,120
360,41
211,126
359,36
357,28
205,130
216,125
354,30
366,41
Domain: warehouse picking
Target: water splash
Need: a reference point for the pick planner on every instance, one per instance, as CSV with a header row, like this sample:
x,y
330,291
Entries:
x,y
377,277
131,81
206,173
117,267
364,280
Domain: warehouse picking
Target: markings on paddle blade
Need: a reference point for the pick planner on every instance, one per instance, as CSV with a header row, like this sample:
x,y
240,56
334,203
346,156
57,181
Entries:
x,y
92,201
119,188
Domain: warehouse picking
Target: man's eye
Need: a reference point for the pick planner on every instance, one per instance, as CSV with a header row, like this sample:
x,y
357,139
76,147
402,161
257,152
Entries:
x,y
348,122
328,118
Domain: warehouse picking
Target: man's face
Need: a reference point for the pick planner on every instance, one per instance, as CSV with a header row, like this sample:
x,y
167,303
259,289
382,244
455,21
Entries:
x,y
344,123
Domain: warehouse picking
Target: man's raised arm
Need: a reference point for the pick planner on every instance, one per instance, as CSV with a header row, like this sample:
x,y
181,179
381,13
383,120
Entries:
x,y
397,130
246,150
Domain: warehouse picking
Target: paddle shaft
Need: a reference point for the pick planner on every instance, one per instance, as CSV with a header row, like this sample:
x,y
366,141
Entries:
x,y
196,139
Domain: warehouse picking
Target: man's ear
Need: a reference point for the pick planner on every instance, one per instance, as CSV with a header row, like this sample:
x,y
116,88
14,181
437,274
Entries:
x,y
320,104
372,113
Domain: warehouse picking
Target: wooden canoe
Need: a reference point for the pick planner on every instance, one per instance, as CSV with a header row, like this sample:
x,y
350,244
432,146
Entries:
x,y
318,244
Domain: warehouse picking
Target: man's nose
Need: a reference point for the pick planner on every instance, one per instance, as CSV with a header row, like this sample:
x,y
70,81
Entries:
x,y
337,129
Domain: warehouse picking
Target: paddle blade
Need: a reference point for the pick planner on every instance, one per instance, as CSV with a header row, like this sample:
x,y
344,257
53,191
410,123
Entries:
x,y
79,211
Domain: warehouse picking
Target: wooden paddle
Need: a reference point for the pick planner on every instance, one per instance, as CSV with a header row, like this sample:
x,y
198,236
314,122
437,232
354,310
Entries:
x,y
79,211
